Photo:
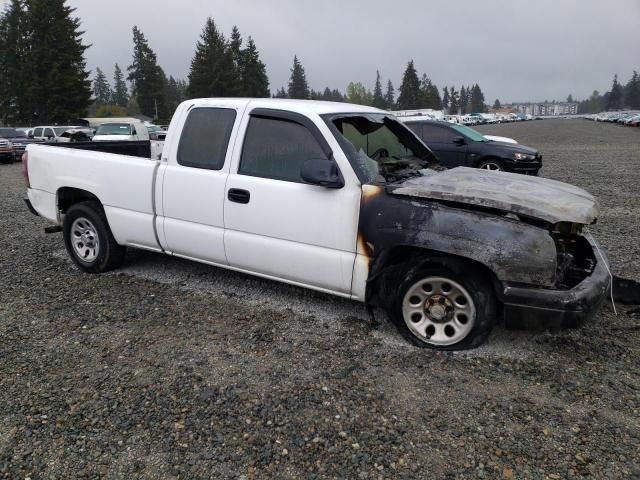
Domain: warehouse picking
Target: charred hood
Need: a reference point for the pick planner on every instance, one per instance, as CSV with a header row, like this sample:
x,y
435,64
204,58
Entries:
x,y
533,197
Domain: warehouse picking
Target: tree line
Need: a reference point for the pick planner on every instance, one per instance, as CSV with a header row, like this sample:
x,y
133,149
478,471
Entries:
x,y
618,97
40,84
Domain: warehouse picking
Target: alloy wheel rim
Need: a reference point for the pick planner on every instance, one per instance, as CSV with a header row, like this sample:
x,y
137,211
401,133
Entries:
x,y
85,240
494,167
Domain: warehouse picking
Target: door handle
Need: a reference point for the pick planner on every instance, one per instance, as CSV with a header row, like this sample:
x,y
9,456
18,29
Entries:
x,y
238,195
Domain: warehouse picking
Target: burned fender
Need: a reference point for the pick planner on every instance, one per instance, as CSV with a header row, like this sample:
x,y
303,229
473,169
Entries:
x,y
514,251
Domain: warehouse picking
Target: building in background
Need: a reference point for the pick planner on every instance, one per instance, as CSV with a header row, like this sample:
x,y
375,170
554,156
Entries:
x,y
543,109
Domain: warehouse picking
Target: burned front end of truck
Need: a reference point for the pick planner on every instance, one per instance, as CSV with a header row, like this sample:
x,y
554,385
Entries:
x,y
527,236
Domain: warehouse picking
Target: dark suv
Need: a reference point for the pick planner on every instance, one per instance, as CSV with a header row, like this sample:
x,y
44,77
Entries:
x,y
460,146
19,141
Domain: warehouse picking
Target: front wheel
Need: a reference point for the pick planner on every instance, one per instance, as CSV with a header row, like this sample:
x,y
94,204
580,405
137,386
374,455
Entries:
x,y
445,304
89,240
491,164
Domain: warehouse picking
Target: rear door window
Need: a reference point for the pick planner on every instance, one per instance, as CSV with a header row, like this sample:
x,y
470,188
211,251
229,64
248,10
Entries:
x,y
205,138
48,132
438,134
276,148
37,132
415,128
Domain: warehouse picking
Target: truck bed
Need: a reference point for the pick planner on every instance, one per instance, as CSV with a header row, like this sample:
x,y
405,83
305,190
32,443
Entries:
x,y
138,148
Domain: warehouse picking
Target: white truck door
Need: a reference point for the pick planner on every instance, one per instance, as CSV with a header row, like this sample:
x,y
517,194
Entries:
x,y
275,224
193,185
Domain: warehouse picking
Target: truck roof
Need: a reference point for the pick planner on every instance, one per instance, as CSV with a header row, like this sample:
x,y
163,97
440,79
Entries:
x,y
302,106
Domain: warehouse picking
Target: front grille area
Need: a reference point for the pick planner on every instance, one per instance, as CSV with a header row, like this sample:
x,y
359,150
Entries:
x,y
576,260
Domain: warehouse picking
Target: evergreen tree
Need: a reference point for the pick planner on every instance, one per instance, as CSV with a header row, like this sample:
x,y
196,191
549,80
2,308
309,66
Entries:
x,y
101,89
496,104
378,98
43,75
298,86
632,92
476,99
614,100
281,93
445,99
253,73
430,94
570,98
389,96
464,101
338,96
176,93
235,45
15,103
454,101
410,94
120,92
148,81
213,71
327,95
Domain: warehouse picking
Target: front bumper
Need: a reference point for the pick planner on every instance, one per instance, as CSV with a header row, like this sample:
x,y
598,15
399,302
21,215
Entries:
x,y
543,308
7,156
530,167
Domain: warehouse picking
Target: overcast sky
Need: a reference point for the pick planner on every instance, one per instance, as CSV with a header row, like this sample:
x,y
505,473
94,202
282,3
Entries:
x,y
515,49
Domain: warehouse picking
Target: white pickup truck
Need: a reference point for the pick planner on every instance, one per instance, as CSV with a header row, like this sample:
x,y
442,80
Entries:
x,y
338,198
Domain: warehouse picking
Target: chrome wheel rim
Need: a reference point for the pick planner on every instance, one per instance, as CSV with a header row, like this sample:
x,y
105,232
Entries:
x,y
438,311
85,240
494,167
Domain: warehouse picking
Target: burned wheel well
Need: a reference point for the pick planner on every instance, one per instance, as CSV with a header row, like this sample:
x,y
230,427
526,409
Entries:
x,y
389,263
68,196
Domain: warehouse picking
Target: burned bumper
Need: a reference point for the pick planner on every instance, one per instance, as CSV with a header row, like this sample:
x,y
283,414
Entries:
x,y
542,308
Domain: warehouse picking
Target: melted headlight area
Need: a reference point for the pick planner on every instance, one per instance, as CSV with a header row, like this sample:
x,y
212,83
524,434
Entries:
x,y
576,258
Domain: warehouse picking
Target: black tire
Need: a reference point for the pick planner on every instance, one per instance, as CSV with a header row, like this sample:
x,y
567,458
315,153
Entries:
x,y
491,161
475,282
108,254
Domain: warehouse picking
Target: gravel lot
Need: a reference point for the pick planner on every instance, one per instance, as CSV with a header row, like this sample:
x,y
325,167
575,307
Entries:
x,y
169,369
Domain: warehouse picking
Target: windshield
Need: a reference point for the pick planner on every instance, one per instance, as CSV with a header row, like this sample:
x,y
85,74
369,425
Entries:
x,y
10,133
114,129
153,128
380,148
469,133
60,130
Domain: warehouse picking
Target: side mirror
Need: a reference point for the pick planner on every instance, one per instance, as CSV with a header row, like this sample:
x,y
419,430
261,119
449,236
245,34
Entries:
x,y
324,173
459,140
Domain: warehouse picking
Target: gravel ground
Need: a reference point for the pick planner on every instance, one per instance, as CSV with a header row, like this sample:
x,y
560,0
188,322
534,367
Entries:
x,y
169,369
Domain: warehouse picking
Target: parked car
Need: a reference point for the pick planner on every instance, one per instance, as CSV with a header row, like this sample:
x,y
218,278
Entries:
x,y
18,139
121,131
338,198
633,121
458,145
7,152
52,134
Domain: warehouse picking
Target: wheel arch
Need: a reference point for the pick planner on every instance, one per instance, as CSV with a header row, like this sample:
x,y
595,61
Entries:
x,y
391,260
68,196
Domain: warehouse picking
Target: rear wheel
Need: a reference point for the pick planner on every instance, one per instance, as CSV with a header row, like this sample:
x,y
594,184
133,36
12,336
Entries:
x,y
445,304
89,240
491,164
